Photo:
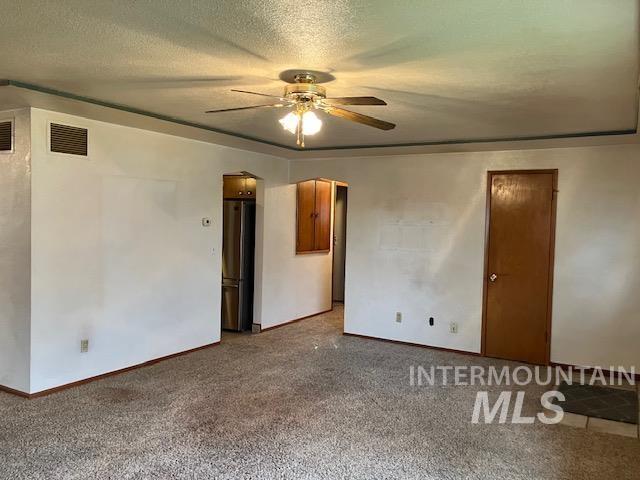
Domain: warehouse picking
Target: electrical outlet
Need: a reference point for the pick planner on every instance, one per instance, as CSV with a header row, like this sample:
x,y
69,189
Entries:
x,y
84,346
399,317
206,222
453,327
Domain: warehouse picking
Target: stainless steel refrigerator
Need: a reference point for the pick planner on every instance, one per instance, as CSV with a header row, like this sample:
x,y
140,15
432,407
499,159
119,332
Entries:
x,y
238,251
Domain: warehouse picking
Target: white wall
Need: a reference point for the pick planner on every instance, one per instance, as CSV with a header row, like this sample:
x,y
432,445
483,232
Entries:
x,y
415,244
294,286
119,255
15,196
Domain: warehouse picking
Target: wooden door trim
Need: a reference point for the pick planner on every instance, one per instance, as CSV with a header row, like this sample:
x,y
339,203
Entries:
x,y
485,282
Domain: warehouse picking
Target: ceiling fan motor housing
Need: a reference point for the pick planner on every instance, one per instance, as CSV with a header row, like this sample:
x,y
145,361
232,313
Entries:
x,y
305,89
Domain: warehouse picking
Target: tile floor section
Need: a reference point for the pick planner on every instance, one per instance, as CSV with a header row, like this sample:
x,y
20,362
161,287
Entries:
x,y
616,404
591,422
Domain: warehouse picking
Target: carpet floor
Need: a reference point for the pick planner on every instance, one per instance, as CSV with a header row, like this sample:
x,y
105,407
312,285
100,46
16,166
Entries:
x,y
298,402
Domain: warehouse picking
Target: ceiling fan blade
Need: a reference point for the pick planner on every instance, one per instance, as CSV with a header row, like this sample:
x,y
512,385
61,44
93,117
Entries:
x,y
256,93
354,101
273,105
358,117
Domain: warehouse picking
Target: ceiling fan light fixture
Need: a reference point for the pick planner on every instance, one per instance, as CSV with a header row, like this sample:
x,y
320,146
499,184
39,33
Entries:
x,y
311,124
290,122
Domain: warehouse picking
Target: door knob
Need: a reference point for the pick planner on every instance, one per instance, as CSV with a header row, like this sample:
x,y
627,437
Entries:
x,y
493,277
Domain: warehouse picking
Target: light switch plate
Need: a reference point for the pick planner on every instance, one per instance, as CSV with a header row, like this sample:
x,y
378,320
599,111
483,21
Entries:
x,y
84,346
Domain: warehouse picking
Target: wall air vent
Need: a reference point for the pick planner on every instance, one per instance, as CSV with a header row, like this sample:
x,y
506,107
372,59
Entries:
x,y
6,136
70,140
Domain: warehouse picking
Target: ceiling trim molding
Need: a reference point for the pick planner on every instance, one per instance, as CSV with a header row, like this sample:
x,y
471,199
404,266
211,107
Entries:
x,y
179,121
137,111
479,140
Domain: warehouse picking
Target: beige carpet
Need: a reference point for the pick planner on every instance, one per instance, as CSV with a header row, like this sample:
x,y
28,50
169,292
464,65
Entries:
x,y
301,401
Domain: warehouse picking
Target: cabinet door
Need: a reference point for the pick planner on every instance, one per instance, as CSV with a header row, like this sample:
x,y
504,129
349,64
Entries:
x,y
322,239
250,187
305,240
234,187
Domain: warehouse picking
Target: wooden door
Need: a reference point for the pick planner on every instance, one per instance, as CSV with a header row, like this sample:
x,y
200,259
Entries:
x,y
519,265
305,241
323,216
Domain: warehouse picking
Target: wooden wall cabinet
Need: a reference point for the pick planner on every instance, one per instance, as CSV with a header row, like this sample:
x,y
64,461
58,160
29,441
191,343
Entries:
x,y
314,217
236,186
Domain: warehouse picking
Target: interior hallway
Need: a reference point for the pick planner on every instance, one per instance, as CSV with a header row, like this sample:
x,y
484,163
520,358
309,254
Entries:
x,y
291,403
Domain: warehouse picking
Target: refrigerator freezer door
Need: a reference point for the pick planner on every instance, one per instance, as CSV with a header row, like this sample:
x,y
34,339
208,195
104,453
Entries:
x,y
230,307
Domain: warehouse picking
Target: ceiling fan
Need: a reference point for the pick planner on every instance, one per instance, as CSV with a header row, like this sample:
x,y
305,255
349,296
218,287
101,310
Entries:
x,y
304,96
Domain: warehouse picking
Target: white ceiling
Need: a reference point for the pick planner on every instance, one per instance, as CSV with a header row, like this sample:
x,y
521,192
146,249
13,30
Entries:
x,y
449,70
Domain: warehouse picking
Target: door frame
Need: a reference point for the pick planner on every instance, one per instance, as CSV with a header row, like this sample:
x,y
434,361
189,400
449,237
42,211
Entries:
x,y
337,184
485,280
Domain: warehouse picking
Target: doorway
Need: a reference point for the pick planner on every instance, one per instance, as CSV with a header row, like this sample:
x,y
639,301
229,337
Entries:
x,y
518,282
339,241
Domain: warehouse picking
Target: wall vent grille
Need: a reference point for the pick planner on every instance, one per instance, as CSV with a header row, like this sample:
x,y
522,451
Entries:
x,y
6,136
70,140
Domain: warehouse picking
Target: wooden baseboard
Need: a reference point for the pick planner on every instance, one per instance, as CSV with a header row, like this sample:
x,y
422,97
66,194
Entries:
x,y
411,344
294,320
565,366
13,391
77,383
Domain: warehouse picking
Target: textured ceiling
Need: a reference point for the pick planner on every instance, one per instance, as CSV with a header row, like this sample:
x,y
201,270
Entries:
x,y
449,70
